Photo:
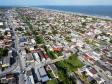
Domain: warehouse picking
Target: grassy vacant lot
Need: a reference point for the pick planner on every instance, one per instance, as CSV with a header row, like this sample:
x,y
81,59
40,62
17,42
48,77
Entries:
x,y
71,64
54,81
65,67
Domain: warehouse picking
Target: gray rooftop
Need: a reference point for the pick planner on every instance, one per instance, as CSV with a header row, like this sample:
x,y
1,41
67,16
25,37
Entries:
x,y
42,72
45,78
105,67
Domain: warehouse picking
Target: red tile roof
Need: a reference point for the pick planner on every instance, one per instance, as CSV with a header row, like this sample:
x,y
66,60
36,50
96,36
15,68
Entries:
x,y
57,49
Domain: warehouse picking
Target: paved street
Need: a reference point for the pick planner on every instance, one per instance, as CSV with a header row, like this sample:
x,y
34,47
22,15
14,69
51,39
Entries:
x,y
20,59
10,69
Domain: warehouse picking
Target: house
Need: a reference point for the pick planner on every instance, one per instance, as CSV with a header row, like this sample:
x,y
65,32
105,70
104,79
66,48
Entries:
x,y
22,40
88,58
31,48
42,56
4,80
91,71
36,57
105,68
100,80
92,74
1,23
89,79
30,80
57,49
46,56
43,74
33,41
8,78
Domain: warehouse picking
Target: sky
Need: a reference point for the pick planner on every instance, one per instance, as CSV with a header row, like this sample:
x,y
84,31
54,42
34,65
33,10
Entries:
x,y
53,2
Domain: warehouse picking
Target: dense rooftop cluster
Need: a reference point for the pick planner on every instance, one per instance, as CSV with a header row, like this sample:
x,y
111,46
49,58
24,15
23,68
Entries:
x,y
55,47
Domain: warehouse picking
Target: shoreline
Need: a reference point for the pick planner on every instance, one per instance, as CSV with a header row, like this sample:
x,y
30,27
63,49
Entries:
x,y
80,14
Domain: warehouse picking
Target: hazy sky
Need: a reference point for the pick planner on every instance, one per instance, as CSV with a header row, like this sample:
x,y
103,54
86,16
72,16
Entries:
x,y
55,2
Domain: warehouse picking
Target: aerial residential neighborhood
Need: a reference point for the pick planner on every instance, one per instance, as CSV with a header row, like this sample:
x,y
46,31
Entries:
x,y
40,46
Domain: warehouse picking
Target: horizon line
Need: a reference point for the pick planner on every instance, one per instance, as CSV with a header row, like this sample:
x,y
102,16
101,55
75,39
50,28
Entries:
x,y
47,5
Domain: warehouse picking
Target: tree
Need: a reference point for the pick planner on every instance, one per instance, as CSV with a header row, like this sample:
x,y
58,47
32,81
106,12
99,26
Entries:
x,y
27,50
97,49
5,32
50,53
39,40
1,37
20,29
93,82
3,52
54,32
111,41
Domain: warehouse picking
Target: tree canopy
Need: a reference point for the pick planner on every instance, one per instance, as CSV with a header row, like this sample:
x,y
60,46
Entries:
x,y
3,52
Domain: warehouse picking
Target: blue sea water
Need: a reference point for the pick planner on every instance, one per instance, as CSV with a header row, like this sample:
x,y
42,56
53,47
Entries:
x,y
103,11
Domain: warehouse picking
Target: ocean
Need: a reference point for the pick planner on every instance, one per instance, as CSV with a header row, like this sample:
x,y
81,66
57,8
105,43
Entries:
x,y
102,11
